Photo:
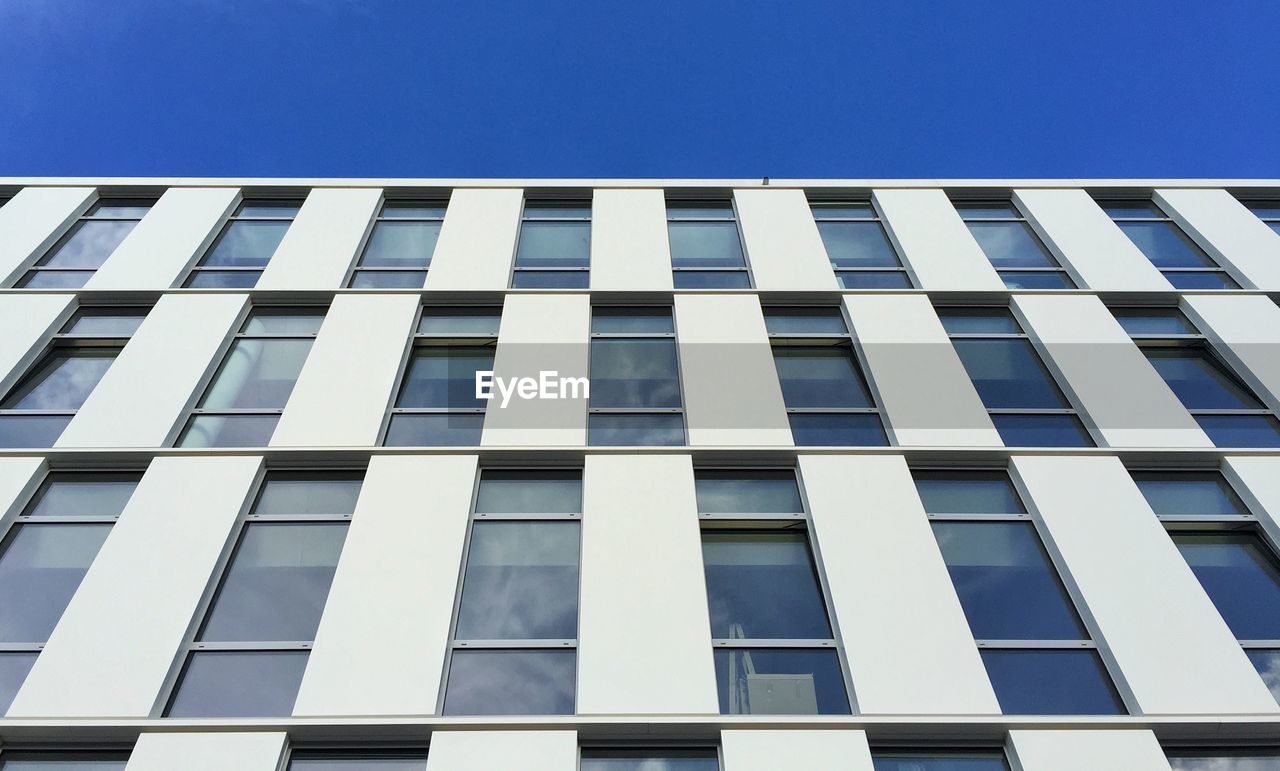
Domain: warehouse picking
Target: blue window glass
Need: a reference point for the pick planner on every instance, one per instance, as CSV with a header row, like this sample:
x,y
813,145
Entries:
x,y
1240,575
62,381
705,245
388,279
1166,245
967,492
635,430
636,373
858,245
511,682
460,322
641,760
762,585
805,321
978,321
14,760
624,320
1199,380
239,684
1241,430
550,279
445,377
1045,279
1196,279
873,279
530,492
1051,682
1166,322
712,279
1011,245
939,761
820,376
1267,662
1009,374
554,244
247,244
1046,430
747,491
406,244
1189,493
837,429
780,681
88,244
14,667
521,582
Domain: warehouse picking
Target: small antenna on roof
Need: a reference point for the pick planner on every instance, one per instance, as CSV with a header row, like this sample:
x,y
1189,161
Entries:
x,y
766,180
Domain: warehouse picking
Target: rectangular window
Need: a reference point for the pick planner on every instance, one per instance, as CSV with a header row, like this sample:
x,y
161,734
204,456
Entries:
x,y
245,245
1038,653
637,759
1267,210
635,378
938,760
400,245
437,405
1013,248
44,556
38,408
554,251
248,657
1225,759
76,256
706,247
1024,402
515,639
18,760
1224,406
1172,251
858,246
243,403
358,760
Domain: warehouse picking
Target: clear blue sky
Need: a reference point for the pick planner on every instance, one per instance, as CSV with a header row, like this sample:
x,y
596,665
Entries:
x,y
596,88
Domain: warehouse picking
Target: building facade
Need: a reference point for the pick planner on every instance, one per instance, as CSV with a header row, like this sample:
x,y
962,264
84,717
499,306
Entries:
x,y
773,474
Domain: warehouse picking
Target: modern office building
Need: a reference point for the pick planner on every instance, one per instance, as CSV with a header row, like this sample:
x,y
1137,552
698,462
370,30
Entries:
x,y
802,475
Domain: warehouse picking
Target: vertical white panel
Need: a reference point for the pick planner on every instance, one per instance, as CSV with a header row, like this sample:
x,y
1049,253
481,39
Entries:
x,y
731,390
1256,479
33,220
902,626
477,240
112,652
152,383
1229,232
19,477
1175,653
27,320
321,244
918,378
1245,331
494,750
347,381
1080,749
1095,359
629,248
784,748
382,641
208,751
159,250
1088,243
934,242
645,633
541,333
783,244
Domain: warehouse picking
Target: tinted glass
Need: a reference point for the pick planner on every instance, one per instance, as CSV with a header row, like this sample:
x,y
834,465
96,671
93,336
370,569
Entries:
x,y
1008,373
639,430
401,244
511,682
239,684
1051,682
301,495
967,492
59,279
763,586
257,374
1135,208
388,279
1267,662
637,760
1241,576
100,496
554,244
634,373
705,245
1241,430
1006,584
1244,761
557,209
1198,380
1201,280
460,321
41,567
780,681
1017,279
978,321
121,208
1186,493
1266,209
970,210
521,582
223,279
813,376
280,321
939,761
805,321
31,430
95,322
13,672
246,244
63,761
626,321
1041,431
1166,245
858,245
63,380
550,279
873,279
822,211
709,279
435,430
392,762
268,208
414,209
445,377
837,430
742,492
530,492
88,244
1153,321
677,209
1011,245
229,431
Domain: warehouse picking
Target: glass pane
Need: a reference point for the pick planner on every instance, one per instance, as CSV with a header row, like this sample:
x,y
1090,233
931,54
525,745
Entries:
x,y
842,210
939,761
1201,493
521,582
1267,662
873,279
647,430
104,322
536,208
1041,430
13,673
1267,210
1123,209
223,279
88,244
763,586
414,209
858,245
1017,279
460,321
1051,682
1153,321
780,681
55,279
820,377
554,244
634,373
229,431
268,208
386,279
1200,280
40,570
1241,576
64,761
1008,588
31,430
711,279
1199,381
121,208
284,321
743,492
445,377
687,209
1244,760
978,321
308,495
837,430
625,320
239,684
705,245
246,244
550,279
977,210
277,583
1011,245
257,374
1008,373
967,492
511,682
396,762
102,495
805,321
401,244
638,760
1166,245
530,492
62,380
1241,430
435,430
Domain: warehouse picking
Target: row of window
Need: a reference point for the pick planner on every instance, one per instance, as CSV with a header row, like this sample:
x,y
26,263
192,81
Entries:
x,y
634,373
514,639
553,249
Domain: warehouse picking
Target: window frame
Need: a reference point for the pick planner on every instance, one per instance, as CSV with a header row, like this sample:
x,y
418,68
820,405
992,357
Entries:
x,y
712,748
731,216
1016,215
673,336
1163,216
525,217
360,268
816,205
225,227
90,215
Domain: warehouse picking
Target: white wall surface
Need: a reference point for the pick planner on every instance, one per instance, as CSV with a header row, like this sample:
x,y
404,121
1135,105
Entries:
x,y
382,641
33,220
643,593
1082,749
1093,358
220,751
731,390
934,242
152,383
773,750
321,245
19,477
1256,479
123,630
500,750
1245,331
783,245
629,247
1229,232
903,629
540,332
27,320
927,396
350,375
1175,653
477,240
1087,242
174,234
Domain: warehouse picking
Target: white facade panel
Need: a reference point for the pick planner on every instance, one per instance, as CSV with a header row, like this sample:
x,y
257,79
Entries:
x,y
731,390
903,629
1175,653
782,240
643,590
208,751
320,246
771,750
629,247
113,650
382,642
158,252
19,477
1080,749
1245,330
27,321
1229,232
494,750
152,383
934,242
348,380
477,240
33,220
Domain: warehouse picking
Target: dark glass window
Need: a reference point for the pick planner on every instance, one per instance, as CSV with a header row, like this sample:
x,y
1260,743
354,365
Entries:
x,y
860,251
357,760
245,246
635,378
554,248
1172,251
400,245
886,760
706,248
1012,247
649,760
747,491
15,760
73,260
1225,760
